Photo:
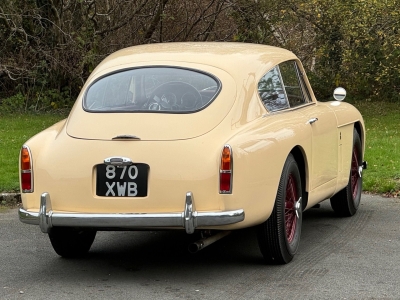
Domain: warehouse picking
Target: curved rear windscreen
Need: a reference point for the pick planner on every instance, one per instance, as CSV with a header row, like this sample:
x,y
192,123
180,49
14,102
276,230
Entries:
x,y
154,89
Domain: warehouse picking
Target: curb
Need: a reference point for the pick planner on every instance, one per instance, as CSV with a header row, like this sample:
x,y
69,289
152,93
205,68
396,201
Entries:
x,y
10,199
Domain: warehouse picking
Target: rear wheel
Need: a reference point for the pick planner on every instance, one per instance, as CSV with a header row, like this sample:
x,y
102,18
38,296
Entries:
x,y
345,203
279,236
71,242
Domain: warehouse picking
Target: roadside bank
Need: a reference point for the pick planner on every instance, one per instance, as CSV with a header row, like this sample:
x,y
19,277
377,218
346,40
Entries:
x,y
10,199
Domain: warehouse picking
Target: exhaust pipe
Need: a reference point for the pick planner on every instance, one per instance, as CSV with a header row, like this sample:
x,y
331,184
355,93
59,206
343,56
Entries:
x,y
204,242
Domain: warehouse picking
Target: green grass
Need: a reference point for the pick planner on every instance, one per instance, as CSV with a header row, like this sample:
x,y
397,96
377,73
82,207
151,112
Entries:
x,y
382,122
15,130
382,151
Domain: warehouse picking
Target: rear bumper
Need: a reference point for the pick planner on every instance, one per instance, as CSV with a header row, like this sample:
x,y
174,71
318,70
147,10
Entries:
x,y
189,219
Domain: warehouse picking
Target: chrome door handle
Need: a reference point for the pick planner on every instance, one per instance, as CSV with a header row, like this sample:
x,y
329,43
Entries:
x,y
313,120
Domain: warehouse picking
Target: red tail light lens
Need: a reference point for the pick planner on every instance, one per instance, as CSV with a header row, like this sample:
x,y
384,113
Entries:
x,y
225,171
26,182
225,183
26,170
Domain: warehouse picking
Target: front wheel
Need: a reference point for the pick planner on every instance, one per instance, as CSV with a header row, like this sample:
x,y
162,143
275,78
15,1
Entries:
x,y
71,242
279,236
345,203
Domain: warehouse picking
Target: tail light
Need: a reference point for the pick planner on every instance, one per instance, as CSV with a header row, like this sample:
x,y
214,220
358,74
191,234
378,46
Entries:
x,y
225,171
26,170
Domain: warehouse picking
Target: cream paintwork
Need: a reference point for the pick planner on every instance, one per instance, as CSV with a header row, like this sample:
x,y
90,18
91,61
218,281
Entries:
x,y
183,151
324,160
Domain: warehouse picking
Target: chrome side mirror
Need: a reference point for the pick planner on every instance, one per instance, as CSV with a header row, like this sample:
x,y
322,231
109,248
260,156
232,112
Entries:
x,y
339,94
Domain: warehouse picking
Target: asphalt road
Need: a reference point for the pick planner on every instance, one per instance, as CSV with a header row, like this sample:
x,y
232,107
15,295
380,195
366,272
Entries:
x,y
339,258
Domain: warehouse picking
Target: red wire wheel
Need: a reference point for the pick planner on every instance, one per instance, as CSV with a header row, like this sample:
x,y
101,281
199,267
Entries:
x,y
355,173
290,208
279,236
346,202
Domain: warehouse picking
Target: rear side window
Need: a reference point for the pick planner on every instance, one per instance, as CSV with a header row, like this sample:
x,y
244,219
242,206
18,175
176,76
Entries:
x,y
281,87
155,89
271,91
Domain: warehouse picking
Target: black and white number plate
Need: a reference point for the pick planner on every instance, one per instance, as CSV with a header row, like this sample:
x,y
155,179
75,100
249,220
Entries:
x,y
122,181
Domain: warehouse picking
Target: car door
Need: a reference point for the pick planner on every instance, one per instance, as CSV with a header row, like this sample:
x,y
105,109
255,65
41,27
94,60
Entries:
x,y
284,88
323,124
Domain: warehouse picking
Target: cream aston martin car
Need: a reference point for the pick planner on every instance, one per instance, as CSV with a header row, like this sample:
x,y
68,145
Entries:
x,y
201,137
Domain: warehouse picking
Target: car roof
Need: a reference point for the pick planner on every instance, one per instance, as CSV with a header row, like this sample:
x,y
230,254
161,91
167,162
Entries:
x,y
231,57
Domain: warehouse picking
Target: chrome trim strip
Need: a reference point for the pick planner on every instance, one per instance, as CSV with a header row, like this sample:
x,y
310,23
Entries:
x,y
126,137
28,217
118,161
189,219
348,123
219,218
117,220
270,113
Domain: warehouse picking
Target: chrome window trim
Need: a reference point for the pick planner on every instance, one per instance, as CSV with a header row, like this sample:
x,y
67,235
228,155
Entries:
x,y
283,88
270,113
299,82
302,84
217,80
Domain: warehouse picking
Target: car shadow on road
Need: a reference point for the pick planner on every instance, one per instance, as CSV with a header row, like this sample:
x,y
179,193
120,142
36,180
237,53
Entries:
x,y
163,255
153,248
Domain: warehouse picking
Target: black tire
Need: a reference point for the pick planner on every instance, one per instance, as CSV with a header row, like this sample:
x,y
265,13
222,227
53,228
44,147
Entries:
x,y
71,242
346,202
279,236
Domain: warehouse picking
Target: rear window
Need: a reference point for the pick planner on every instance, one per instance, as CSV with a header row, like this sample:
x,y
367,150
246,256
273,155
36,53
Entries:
x,y
155,89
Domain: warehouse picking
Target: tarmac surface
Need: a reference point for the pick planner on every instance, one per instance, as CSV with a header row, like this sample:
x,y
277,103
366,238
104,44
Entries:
x,y
338,258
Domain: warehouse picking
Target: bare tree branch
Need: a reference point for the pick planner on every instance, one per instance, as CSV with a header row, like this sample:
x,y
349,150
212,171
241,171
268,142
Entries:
x,y
124,22
156,20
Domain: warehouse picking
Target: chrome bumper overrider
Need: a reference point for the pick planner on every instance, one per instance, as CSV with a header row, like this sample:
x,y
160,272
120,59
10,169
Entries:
x,y
189,219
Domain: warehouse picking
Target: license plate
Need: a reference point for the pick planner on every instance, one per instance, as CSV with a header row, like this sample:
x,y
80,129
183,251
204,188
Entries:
x,y
122,181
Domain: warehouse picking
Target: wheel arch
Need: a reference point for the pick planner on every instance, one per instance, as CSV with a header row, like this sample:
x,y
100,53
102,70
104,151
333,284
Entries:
x,y
301,160
360,129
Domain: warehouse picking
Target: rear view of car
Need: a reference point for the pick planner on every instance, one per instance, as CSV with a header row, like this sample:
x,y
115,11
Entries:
x,y
200,137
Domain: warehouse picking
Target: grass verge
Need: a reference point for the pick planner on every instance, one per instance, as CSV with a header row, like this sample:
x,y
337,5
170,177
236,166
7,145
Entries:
x,y
382,151
15,130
